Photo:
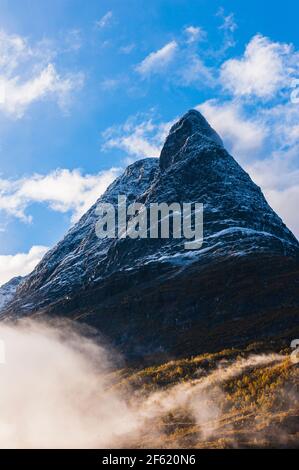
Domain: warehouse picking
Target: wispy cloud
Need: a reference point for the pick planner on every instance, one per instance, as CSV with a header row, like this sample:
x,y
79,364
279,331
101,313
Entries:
x,y
105,20
73,39
62,190
227,27
195,34
28,74
157,61
228,20
140,136
20,264
181,61
127,49
109,84
195,72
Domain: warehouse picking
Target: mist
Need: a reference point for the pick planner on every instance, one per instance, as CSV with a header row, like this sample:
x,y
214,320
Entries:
x,y
203,398
56,391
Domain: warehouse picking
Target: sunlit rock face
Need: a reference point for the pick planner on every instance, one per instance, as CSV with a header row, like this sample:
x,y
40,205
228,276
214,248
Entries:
x,y
153,299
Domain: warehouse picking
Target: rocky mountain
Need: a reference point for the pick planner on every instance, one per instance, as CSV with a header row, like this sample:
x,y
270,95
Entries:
x,y
152,298
8,290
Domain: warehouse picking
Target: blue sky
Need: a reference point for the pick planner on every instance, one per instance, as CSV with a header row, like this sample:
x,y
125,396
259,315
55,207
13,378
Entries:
x,y
88,87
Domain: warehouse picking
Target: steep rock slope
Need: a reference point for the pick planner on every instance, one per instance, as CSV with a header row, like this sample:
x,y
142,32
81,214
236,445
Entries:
x,y
7,290
152,298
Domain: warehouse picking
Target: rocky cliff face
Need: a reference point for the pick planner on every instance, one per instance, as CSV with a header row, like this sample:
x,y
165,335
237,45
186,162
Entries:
x,y
152,298
8,290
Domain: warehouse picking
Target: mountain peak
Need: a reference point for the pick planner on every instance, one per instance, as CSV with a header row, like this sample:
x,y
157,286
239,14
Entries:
x,y
150,297
193,122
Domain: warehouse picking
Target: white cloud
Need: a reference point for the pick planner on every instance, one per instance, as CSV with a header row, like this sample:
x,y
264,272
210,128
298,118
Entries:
x,y
157,61
110,83
279,171
127,49
195,34
241,134
17,96
13,49
283,120
73,40
28,74
227,27
228,21
139,136
180,64
278,176
194,71
62,190
265,68
285,203
105,20
20,264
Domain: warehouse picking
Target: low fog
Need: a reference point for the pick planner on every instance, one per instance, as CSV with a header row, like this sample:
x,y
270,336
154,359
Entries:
x,y
56,392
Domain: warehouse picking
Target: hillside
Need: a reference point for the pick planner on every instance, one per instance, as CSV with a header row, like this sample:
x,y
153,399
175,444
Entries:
x,y
231,399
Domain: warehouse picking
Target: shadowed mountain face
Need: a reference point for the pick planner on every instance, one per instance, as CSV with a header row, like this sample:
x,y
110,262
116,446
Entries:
x,y
152,298
7,290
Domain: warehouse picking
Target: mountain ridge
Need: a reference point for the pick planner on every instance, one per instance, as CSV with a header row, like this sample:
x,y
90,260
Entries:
x,y
123,286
